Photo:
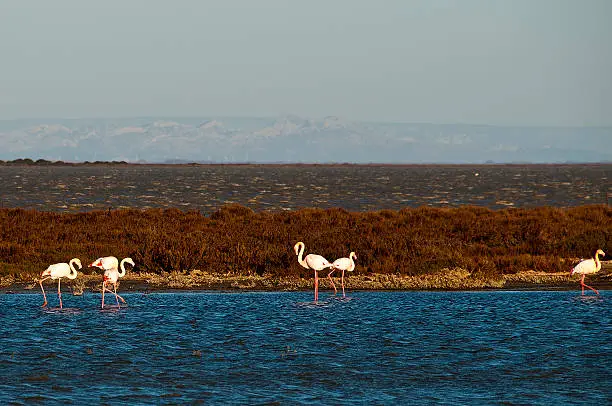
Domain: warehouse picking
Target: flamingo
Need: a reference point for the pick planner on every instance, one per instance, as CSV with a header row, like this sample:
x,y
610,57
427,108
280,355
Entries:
x,y
111,274
588,266
342,264
59,271
312,261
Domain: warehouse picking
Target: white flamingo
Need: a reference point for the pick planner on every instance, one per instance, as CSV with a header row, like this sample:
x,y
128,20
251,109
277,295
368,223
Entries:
x,y
588,266
312,261
111,274
59,271
342,264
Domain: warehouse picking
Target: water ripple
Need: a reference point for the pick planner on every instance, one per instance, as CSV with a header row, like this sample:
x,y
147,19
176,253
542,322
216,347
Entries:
x,y
269,187
376,348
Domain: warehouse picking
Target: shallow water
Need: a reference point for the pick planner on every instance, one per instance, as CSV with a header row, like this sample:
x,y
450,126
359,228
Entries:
x,y
280,348
271,187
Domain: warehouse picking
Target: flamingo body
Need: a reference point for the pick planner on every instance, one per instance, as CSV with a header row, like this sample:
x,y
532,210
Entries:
x,y
59,271
106,263
343,264
111,275
110,266
316,262
587,267
311,261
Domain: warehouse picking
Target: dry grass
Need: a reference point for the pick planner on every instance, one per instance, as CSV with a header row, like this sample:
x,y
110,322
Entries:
x,y
235,248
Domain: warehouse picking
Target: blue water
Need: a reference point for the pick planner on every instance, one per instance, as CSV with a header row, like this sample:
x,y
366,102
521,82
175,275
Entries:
x,y
280,348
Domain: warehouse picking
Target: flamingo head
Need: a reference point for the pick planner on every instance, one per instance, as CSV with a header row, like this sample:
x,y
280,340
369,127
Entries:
x,y
353,255
296,247
600,252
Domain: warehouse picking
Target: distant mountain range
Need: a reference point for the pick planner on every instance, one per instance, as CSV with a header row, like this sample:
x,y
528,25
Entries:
x,y
295,139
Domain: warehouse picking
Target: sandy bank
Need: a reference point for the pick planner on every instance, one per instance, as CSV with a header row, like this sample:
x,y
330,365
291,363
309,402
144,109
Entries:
x,y
445,280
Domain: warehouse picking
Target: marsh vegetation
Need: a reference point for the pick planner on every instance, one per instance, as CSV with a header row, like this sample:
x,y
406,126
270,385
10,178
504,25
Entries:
x,y
236,248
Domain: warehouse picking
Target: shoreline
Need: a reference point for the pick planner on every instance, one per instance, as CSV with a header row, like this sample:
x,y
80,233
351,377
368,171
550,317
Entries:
x,y
455,280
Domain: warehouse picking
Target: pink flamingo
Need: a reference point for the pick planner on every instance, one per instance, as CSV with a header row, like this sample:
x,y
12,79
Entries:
x,y
312,261
342,264
111,274
59,271
588,266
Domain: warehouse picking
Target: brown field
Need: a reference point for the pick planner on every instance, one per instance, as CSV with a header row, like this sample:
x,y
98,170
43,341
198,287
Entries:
x,y
236,248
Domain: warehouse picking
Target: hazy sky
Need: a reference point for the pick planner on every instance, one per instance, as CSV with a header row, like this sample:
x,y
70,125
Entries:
x,y
519,62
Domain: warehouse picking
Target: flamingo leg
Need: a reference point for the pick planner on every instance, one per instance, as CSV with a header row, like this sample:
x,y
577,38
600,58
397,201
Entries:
x,y
43,290
343,295
59,292
117,297
115,293
316,286
103,288
332,281
585,285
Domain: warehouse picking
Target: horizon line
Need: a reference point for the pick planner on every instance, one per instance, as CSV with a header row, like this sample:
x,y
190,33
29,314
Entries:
x,y
46,162
305,117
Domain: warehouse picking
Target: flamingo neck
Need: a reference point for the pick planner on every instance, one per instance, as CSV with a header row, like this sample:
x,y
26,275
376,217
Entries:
x,y
73,271
597,261
300,259
122,266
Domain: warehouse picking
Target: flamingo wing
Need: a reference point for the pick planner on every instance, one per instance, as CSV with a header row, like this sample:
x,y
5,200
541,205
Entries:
x,y
342,263
585,267
110,263
60,270
106,263
317,262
